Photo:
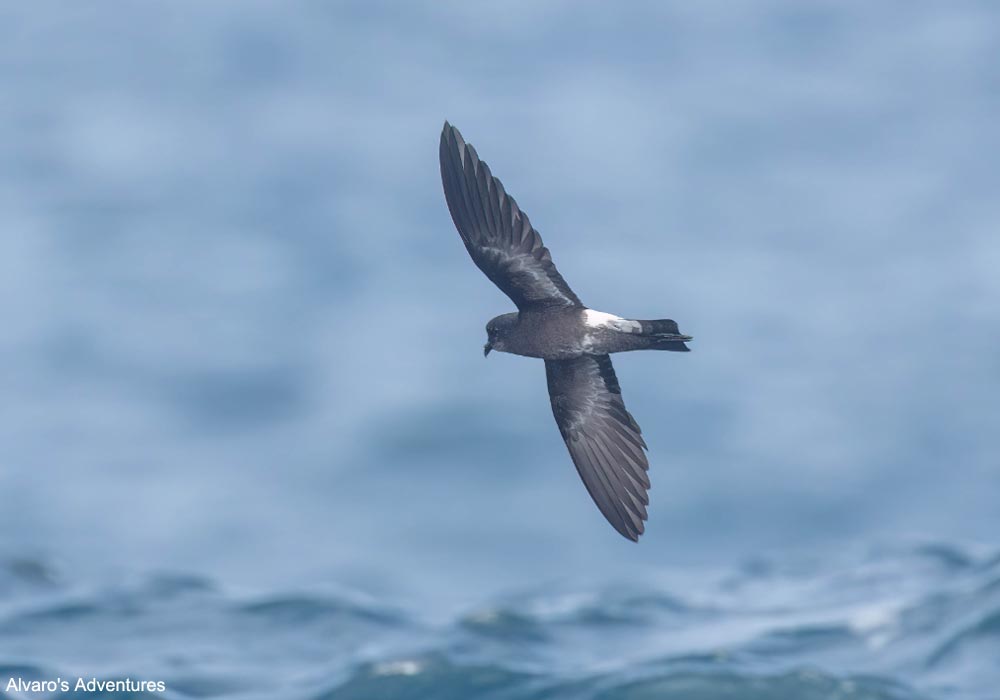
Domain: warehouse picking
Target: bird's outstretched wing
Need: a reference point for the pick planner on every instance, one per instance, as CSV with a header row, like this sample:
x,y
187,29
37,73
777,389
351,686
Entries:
x,y
604,440
496,232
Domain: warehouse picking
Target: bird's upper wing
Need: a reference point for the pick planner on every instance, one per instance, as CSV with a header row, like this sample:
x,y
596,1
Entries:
x,y
604,440
496,232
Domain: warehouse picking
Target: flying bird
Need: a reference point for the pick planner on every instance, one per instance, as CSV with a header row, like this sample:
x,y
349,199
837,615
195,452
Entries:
x,y
551,323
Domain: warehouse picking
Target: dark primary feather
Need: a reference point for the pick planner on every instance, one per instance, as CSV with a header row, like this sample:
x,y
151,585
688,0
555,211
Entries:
x,y
497,234
603,439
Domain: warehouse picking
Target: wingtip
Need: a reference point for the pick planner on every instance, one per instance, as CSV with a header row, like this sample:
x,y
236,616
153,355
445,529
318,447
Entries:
x,y
450,129
632,531
451,138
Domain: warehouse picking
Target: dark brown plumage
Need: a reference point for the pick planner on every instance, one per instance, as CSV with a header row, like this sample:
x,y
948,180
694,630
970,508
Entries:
x,y
552,323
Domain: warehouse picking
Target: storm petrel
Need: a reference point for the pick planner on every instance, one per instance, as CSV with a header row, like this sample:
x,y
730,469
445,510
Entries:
x,y
551,323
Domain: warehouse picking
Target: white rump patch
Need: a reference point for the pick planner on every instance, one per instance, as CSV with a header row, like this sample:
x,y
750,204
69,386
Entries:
x,y
599,319
596,319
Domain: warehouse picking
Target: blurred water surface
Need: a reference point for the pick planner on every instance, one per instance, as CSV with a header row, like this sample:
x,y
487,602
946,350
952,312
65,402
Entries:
x,y
892,624
241,345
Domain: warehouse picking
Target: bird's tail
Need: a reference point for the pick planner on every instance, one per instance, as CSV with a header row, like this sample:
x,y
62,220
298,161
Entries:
x,y
663,334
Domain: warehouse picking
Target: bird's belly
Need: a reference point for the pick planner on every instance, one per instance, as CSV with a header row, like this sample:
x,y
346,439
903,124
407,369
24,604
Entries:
x,y
543,348
546,354
549,336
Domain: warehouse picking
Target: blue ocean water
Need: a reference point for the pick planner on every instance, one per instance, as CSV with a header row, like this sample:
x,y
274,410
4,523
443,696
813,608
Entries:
x,y
919,622
248,442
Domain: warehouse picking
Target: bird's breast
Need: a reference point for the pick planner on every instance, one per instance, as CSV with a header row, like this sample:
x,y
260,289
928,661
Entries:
x,y
554,335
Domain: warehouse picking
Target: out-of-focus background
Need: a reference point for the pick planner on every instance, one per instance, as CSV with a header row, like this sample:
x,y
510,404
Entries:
x,y
242,340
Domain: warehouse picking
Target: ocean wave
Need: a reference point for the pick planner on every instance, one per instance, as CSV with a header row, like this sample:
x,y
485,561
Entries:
x,y
443,679
909,623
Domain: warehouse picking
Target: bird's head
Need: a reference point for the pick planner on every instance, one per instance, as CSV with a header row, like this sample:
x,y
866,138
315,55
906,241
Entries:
x,y
496,332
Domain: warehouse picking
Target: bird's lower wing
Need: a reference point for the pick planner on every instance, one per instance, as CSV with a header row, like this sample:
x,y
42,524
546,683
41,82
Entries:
x,y
497,234
603,439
